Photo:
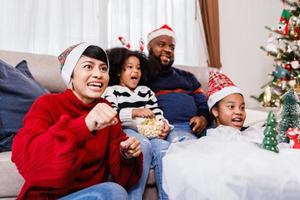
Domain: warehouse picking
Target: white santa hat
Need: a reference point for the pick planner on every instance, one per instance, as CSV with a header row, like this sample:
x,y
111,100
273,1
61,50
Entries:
x,y
69,58
219,86
163,30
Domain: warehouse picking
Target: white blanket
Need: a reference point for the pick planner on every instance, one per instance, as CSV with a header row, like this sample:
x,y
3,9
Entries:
x,y
229,164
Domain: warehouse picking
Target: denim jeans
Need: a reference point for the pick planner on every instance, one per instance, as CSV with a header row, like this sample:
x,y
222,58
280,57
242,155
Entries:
x,y
154,154
102,191
137,191
181,132
153,151
159,149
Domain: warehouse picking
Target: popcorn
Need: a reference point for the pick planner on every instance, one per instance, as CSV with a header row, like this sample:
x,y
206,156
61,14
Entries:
x,y
150,127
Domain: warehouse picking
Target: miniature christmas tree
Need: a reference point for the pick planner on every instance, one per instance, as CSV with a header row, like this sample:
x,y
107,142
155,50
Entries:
x,y
269,141
290,114
284,46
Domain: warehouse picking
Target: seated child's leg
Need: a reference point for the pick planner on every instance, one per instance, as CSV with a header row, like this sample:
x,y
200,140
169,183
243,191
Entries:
x,y
159,148
137,191
180,133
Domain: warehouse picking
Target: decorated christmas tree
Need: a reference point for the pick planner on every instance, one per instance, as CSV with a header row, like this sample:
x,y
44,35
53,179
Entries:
x,y
290,114
284,46
270,141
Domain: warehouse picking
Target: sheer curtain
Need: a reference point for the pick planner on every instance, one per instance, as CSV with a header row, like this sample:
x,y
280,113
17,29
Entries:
x,y
50,26
134,19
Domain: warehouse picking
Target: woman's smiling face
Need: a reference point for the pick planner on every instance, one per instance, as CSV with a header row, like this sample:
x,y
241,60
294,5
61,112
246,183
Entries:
x,y
90,79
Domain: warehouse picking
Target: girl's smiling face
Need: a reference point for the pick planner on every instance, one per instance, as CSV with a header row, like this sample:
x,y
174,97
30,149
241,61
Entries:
x,y
230,111
131,73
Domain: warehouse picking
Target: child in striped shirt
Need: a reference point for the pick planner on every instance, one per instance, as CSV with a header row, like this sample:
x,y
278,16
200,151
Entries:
x,y
135,103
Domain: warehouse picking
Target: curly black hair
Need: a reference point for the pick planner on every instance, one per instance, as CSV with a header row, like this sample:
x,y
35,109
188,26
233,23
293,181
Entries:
x,y
117,57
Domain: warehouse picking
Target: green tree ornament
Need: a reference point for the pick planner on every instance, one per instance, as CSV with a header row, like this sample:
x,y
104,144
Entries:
x,y
290,114
270,141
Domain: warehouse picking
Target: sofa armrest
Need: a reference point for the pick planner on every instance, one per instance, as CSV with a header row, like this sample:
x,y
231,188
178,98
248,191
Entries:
x,y
255,117
11,181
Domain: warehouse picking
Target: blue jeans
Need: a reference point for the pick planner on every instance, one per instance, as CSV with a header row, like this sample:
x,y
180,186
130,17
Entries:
x,y
181,132
137,191
102,191
153,151
159,149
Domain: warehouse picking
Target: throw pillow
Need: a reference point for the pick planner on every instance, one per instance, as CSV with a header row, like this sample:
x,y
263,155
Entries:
x,y
22,67
18,90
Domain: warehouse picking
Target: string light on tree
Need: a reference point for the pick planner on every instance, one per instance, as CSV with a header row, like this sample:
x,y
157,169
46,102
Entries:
x,y
283,44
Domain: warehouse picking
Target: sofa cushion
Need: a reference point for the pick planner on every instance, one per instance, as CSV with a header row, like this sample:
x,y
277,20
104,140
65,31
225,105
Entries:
x,y
44,68
11,181
200,72
18,90
22,67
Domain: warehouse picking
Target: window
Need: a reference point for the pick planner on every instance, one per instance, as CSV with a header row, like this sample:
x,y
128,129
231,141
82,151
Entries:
x,y
50,26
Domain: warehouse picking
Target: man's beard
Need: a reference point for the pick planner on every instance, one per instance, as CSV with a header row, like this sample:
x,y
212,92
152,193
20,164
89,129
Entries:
x,y
162,66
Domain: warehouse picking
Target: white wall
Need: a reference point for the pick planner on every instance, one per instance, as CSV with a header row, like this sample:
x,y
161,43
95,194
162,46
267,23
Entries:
x,y
242,32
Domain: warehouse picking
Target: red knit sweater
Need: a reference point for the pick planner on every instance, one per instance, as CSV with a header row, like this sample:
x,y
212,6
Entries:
x,y
57,154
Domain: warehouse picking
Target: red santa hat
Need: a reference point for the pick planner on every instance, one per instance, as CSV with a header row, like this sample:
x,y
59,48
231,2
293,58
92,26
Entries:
x,y
164,30
219,86
69,58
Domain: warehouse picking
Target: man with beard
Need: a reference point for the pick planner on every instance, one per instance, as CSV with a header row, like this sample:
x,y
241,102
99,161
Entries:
x,y
179,93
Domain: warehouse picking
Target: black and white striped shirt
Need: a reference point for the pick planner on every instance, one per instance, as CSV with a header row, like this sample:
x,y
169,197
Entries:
x,y
124,100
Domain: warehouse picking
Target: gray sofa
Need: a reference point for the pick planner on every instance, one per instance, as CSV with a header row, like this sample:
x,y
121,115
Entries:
x,y
46,70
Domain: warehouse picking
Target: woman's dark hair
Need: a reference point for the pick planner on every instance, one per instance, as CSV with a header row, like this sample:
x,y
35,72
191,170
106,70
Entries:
x,y
117,57
96,53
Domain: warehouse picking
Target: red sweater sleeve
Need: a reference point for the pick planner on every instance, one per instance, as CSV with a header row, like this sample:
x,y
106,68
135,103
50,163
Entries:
x,y
45,152
125,172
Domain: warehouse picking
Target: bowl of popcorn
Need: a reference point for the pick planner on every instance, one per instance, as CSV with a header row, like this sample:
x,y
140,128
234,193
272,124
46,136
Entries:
x,y
150,128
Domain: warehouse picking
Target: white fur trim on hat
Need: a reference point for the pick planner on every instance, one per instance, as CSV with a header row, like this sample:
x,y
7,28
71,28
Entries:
x,y
164,30
71,61
217,96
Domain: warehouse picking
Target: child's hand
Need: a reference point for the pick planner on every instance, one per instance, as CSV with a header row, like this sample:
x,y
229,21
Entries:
x,y
130,148
198,124
142,112
164,131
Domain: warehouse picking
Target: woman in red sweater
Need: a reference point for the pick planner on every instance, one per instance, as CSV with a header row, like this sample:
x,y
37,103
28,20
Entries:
x,y
71,142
